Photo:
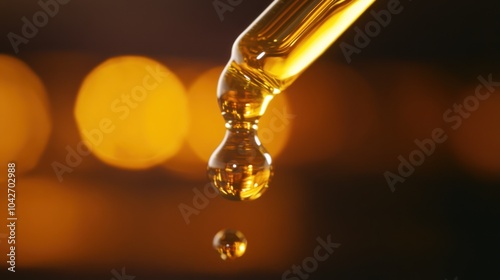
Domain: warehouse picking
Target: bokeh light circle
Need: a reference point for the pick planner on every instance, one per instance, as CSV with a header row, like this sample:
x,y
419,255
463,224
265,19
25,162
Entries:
x,y
24,118
132,112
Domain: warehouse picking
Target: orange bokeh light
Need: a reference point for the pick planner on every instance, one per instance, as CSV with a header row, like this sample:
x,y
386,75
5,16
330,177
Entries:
x,y
24,119
335,116
132,112
475,142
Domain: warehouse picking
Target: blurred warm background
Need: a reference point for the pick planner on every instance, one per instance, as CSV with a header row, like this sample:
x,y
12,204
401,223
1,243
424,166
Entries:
x,y
136,81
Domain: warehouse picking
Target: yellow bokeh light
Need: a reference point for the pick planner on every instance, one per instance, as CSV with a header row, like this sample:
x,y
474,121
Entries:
x,y
186,163
132,112
207,128
24,118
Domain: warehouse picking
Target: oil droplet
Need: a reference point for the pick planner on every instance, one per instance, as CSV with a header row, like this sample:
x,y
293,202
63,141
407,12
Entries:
x,y
230,244
240,168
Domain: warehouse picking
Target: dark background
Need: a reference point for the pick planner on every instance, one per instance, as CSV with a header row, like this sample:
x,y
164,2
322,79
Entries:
x,y
441,223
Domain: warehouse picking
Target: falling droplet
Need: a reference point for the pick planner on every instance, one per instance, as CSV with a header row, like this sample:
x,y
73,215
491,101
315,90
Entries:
x,y
230,244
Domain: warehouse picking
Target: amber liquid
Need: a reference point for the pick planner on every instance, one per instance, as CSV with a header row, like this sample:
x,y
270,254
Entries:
x,y
266,59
